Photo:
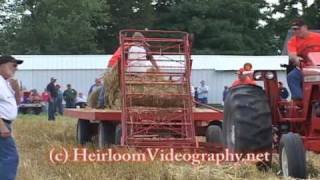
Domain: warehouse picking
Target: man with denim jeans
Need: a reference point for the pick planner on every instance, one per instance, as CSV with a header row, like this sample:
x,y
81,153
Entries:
x,y
9,158
297,44
53,94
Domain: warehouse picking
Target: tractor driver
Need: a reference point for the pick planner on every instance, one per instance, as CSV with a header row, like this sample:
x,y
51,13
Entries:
x,y
244,77
302,38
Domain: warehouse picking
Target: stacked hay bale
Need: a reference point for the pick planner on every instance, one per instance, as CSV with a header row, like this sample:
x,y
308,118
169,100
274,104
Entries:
x,y
154,95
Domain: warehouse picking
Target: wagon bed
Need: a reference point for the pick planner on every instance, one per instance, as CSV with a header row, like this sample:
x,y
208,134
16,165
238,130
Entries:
x,y
199,114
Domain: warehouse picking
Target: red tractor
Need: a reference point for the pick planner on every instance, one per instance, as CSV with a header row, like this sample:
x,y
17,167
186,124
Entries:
x,y
257,120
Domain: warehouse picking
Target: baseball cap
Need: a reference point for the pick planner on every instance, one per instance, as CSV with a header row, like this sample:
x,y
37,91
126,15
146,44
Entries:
x,y
52,79
7,58
297,23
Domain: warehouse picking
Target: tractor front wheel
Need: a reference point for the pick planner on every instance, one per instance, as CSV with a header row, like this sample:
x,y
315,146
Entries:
x,y
214,134
292,156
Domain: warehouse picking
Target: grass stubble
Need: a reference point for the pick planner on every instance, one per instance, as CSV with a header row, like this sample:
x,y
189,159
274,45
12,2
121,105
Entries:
x,y
35,137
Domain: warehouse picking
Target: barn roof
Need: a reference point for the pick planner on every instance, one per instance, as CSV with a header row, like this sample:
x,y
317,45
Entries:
x,y
82,62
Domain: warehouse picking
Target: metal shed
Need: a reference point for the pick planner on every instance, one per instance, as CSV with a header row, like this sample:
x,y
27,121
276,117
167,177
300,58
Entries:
x,y
81,70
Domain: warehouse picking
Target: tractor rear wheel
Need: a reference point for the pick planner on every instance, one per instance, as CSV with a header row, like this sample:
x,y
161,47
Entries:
x,y
214,134
292,156
247,125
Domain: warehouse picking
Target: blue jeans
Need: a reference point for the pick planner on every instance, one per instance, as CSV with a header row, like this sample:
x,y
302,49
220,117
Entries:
x,y
70,103
9,158
59,107
203,100
294,80
52,109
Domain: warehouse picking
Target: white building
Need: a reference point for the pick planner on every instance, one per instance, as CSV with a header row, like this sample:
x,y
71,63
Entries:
x,y
81,70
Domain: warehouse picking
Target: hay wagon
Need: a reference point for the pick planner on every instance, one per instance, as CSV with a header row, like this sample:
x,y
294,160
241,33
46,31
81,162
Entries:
x,y
156,105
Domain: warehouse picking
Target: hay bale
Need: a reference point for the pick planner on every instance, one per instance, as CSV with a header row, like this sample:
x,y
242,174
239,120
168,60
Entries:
x,y
93,99
112,87
151,97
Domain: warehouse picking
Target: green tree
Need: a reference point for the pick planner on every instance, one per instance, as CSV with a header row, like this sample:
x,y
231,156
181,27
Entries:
x,y
54,27
288,10
220,26
129,14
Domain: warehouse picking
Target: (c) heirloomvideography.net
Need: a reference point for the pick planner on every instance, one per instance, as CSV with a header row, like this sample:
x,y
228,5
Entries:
x,y
63,155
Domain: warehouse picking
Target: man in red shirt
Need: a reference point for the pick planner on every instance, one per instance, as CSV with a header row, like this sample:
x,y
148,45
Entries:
x,y
299,44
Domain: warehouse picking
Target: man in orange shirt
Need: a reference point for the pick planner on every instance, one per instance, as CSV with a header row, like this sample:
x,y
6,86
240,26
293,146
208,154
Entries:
x,y
299,44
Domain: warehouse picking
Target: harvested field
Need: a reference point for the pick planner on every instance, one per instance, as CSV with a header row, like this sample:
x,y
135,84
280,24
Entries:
x,y
35,137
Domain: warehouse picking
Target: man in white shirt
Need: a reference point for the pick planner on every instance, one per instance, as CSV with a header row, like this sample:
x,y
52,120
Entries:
x,y
81,100
139,58
9,158
203,92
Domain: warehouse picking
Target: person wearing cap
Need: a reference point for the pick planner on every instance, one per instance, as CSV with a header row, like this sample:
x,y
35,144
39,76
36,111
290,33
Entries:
x,y
9,158
301,40
53,94
70,96
203,91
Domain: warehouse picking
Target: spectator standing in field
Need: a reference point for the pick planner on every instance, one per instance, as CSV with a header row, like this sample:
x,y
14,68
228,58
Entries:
x,y
53,94
95,86
9,157
59,108
203,91
69,96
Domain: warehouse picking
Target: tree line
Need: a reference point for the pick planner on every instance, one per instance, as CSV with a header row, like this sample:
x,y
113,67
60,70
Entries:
x,y
236,27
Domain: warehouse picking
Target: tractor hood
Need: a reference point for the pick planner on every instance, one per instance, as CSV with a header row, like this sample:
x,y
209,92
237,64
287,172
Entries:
x,y
314,57
311,74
